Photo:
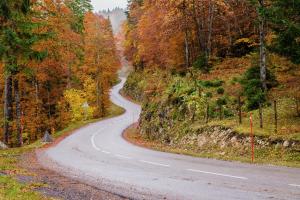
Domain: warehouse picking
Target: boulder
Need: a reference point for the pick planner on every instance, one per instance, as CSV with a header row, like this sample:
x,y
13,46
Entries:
x,y
3,146
234,141
47,138
286,144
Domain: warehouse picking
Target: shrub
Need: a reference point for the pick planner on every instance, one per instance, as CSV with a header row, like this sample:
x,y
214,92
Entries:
x,y
202,64
208,95
214,83
242,47
221,101
220,90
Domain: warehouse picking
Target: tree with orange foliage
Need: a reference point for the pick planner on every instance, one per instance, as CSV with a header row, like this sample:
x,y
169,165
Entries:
x,y
101,63
60,67
186,33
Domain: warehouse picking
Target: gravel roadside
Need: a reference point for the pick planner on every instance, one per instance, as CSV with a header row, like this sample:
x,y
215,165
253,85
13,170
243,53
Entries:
x,y
57,186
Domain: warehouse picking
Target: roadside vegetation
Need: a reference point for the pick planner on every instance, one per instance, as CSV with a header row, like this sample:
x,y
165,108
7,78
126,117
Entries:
x,y
199,81
177,120
10,169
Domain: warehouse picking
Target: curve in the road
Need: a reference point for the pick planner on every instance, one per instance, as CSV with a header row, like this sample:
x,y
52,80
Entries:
x,y
98,154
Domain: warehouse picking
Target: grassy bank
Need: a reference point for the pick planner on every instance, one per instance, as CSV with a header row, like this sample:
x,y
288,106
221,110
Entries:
x,y
280,156
10,188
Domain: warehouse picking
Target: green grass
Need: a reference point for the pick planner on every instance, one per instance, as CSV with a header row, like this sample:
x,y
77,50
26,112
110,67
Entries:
x,y
10,189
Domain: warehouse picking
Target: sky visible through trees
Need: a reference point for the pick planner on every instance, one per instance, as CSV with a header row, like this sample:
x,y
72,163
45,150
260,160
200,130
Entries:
x,y
108,4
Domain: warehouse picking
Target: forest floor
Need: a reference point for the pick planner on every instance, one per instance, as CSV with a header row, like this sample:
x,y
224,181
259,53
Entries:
x,y
22,177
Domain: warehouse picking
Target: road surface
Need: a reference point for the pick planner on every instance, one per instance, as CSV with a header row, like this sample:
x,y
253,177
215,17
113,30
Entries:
x,y
97,154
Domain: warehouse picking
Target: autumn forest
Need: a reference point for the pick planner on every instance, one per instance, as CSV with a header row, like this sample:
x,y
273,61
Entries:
x,y
58,61
149,99
195,64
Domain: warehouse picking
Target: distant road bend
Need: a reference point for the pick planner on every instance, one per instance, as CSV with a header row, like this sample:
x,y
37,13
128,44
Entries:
x,y
98,155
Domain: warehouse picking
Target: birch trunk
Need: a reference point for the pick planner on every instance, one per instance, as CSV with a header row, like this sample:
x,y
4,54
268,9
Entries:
x,y
262,54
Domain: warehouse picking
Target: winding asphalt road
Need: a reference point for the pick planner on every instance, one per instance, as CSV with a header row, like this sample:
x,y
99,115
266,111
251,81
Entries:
x,y
97,154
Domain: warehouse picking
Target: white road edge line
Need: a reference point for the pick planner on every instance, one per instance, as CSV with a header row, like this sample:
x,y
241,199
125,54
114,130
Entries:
x,y
294,185
121,156
217,174
154,163
93,142
106,152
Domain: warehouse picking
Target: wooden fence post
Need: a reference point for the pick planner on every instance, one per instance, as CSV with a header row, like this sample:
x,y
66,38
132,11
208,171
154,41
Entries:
x,y
207,113
275,116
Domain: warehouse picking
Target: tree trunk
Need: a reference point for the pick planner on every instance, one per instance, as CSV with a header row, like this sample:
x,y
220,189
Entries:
x,y
102,97
8,109
275,116
207,113
240,110
262,54
18,112
260,116
199,28
69,79
49,103
37,110
98,93
297,107
221,112
187,51
186,37
210,26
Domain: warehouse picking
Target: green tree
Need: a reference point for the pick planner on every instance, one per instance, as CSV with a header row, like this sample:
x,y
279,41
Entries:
x,y
284,15
253,89
17,38
79,8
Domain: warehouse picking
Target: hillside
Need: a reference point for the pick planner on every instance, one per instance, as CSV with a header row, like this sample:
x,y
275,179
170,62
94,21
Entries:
x,y
199,85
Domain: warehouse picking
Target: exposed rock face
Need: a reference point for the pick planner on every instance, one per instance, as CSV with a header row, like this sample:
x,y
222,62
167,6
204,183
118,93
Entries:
x,y
3,146
202,140
180,133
